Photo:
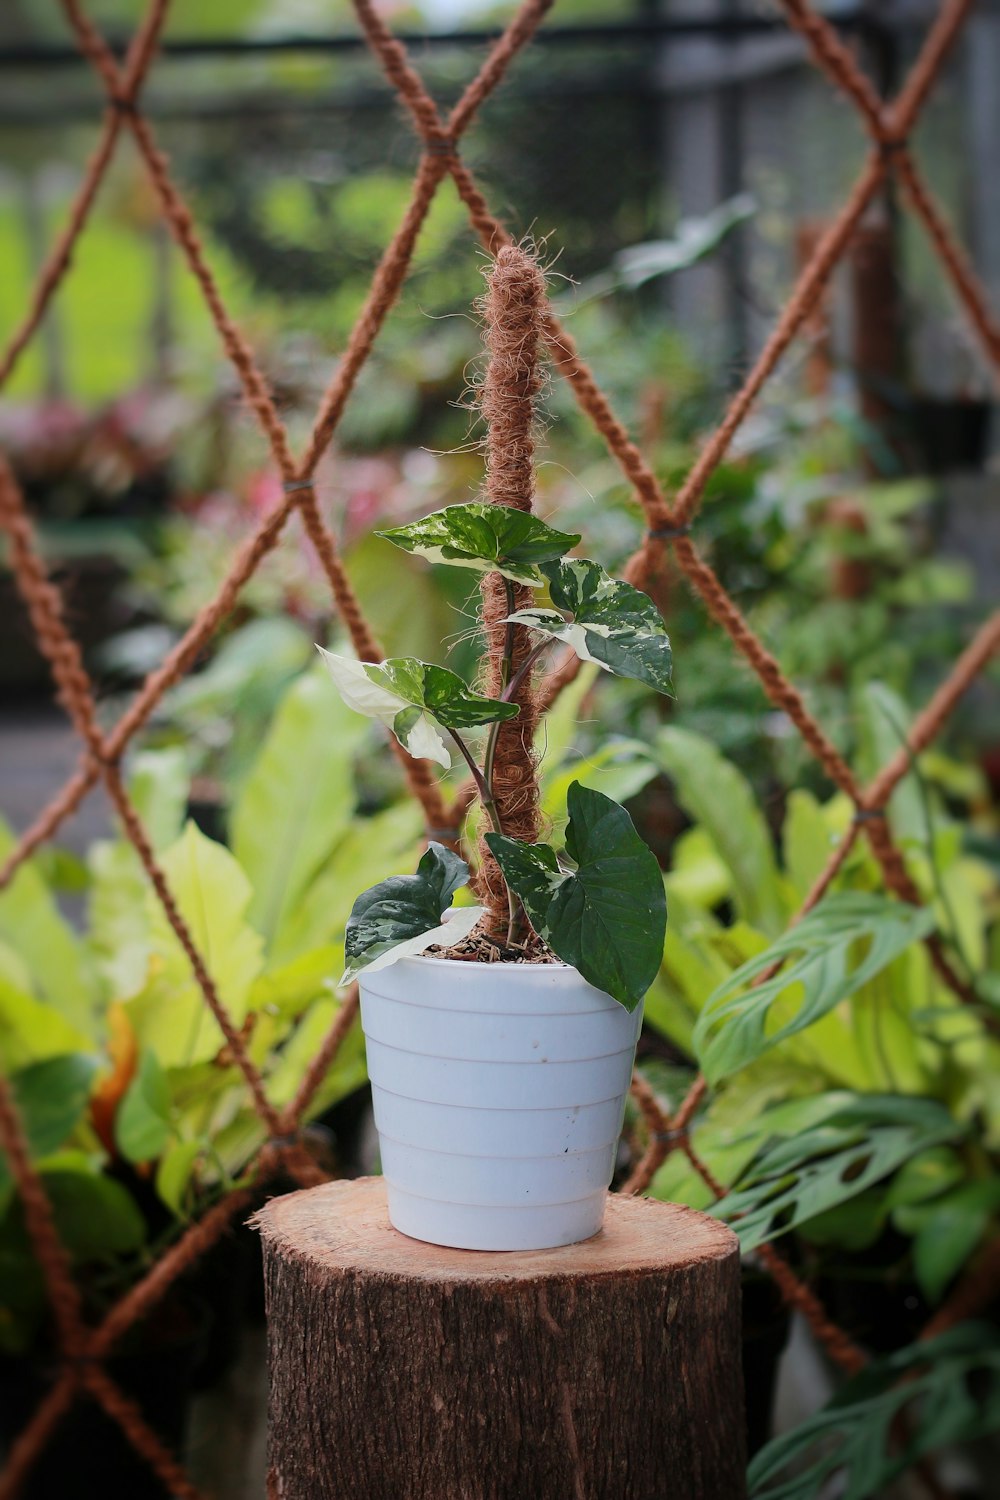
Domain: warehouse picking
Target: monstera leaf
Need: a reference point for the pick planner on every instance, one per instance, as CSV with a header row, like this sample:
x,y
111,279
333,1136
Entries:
x,y
608,916
947,1389
829,955
824,1151
610,623
401,916
486,538
413,698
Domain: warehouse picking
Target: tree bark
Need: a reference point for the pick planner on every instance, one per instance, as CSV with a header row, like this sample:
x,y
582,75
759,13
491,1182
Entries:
x,y
608,1370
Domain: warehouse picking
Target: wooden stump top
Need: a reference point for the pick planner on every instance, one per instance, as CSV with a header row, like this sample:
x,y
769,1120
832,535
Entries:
x,y
345,1226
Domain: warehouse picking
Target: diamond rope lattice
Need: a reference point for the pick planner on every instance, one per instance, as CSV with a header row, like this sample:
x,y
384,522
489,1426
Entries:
x,y
83,1348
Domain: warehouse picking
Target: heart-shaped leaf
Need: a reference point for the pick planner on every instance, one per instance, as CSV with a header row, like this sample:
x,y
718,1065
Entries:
x,y
402,915
830,954
608,916
413,699
486,538
610,623
826,1156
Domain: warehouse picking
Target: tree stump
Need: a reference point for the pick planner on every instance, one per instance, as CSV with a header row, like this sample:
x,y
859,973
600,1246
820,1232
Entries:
x,y
608,1370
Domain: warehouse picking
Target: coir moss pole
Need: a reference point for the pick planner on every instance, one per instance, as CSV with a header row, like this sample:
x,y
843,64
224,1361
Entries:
x,y
512,310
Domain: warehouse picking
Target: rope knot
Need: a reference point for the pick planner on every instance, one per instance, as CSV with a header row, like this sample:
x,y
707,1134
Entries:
x,y
440,145
668,533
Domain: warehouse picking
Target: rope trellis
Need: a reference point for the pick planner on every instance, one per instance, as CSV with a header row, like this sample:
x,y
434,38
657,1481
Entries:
x,y
669,523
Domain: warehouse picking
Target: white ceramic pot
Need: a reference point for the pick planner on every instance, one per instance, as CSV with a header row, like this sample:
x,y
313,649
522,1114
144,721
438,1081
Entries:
x,y
499,1091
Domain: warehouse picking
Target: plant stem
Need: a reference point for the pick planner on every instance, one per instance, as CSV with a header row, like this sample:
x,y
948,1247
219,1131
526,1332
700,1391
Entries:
x,y
523,670
506,665
482,785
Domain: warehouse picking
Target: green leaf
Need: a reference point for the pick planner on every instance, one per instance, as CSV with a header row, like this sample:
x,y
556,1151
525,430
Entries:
x,y
173,1174
885,724
833,951
486,538
955,1225
405,910
610,623
159,785
51,1098
618,768
807,840
825,1152
170,1015
142,1120
926,1177
413,698
634,265
296,801
717,797
389,842
31,923
947,1388
346,1074
31,1031
607,917
118,912
95,1216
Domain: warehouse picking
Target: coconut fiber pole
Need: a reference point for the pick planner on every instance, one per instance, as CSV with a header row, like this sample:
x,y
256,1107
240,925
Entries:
x,y
512,311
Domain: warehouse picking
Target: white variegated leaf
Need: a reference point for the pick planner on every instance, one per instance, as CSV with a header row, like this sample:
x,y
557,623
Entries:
x,y
461,921
605,621
414,699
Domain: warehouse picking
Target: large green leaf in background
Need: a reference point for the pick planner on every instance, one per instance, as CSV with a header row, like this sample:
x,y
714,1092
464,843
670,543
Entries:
x,y
946,1229
884,720
159,786
296,801
142,1120
830,954
31,1031
95,1216
607,917
716,796
610,622
56,960
822,1152
949,1390
170,1015
51,1098
487,538
389,842
809,833
117,907
119,916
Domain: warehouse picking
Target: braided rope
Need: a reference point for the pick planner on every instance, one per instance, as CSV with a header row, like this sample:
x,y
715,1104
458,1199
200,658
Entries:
x,y
889,128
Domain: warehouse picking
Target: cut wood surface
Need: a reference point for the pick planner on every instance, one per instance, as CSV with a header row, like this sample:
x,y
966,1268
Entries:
x,y
607,1370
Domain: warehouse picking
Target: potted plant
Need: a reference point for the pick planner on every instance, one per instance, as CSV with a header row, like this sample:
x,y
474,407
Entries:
x,y
501,1037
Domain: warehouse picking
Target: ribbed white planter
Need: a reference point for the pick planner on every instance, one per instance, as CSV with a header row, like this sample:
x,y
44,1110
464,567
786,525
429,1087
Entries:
x,y
499,1091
